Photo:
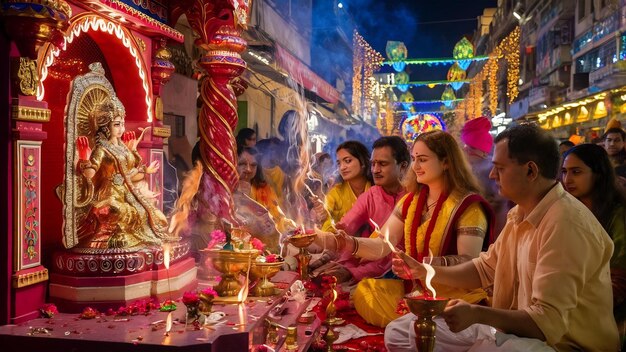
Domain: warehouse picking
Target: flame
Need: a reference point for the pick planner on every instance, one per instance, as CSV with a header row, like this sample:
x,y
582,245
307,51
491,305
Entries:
x,y
243,316
243,292
331,310
166,255
168,324
385,236
430,273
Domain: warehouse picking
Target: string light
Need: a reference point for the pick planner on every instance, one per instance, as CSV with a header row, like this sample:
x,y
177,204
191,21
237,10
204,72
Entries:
x,y
508,49
357,73
365,62
434,61
421,102
492,83
426,83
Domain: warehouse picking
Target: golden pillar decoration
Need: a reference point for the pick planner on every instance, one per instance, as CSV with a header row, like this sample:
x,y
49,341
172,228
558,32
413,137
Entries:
x,y
30,25
27,75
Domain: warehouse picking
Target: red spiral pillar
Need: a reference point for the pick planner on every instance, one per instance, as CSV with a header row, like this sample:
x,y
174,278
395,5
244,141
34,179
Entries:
x,y
218,25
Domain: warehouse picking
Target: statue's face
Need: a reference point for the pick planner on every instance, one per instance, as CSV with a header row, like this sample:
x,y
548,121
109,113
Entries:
x,y
117,127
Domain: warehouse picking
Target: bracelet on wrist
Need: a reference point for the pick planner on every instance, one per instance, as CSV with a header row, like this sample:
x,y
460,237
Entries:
x,y
84,164
356,246
341,242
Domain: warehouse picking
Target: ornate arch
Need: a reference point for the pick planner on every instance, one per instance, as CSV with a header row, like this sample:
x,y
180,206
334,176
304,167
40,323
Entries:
x,y
86,22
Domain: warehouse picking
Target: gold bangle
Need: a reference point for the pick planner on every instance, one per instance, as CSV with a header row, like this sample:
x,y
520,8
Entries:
x,y
84,164
356,246
341,242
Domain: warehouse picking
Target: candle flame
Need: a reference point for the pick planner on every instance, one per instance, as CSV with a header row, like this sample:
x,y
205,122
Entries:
x,y
168,323
166,256
430,273
243,292
242,314
385,236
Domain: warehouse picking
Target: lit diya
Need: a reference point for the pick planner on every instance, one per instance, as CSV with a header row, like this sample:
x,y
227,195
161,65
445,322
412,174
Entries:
x,y
425,308
231,264
302,239
264,268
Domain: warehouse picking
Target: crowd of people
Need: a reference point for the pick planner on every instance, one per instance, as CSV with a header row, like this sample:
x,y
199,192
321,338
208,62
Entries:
x,y
526,235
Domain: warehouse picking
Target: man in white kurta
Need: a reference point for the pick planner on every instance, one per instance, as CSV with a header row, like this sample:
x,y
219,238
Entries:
x,y
549,267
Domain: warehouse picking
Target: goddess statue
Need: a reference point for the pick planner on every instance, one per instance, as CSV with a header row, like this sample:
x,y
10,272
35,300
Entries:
x,y
107,206
121,213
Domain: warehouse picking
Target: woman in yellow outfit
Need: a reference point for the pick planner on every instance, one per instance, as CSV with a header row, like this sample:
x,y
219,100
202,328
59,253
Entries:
x,y
442,218
353,162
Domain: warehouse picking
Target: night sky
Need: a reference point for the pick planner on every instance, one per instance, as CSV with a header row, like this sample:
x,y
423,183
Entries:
x,y
380,21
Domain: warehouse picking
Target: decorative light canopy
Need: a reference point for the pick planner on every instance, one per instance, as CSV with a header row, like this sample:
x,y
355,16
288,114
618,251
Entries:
x,y
397,53
402,81
455,74
420,123
509,49
437,61
448,96
463,52
426,102
407,99
430,84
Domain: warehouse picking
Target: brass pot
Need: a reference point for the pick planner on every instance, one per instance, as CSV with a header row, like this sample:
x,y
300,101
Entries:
x,y
425,308
230,264
264,271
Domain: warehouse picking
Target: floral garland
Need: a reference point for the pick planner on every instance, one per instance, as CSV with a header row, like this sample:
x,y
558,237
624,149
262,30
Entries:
x,y
414,220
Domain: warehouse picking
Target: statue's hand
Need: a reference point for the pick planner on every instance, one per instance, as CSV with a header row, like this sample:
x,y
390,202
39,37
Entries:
x,y
84,151
130,139
153,167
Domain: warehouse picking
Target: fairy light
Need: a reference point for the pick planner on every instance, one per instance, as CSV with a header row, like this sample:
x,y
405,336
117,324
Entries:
x,y
510,46
428,83
478,95
365,62
436,61
509,49
90,22
357,73
492,81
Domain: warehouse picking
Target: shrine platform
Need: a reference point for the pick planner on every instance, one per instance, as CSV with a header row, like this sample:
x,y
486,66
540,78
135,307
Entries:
x,y
243,328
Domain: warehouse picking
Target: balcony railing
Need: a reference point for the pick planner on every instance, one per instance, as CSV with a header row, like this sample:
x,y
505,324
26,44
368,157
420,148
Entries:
x,y
607,71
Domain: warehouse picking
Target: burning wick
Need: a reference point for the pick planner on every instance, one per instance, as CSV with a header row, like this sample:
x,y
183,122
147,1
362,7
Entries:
x,y
395,251
166,262
243,292
168,324
385,237
430,273
166,256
